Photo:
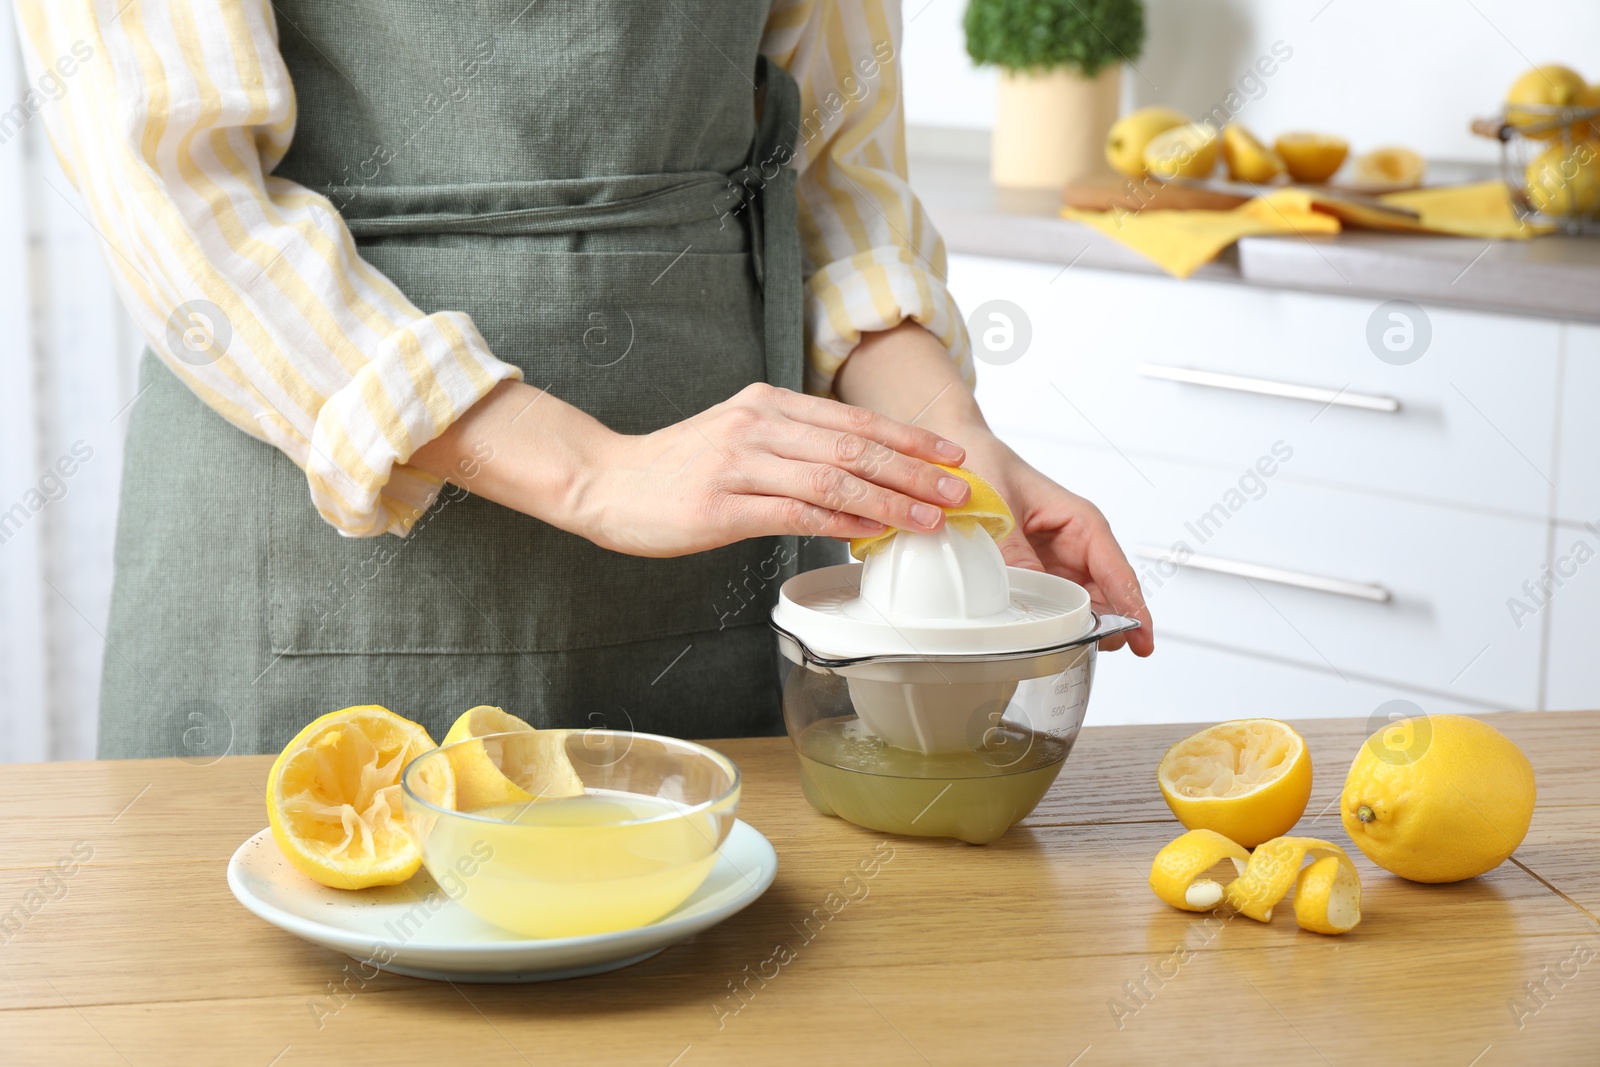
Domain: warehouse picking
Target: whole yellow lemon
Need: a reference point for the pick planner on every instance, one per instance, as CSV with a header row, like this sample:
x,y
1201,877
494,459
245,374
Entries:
x,y
1563,181
1549,86
1126,142
1438,798
1187,151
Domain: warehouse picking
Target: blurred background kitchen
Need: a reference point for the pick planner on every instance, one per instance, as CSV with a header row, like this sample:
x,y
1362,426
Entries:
x,y
1353,468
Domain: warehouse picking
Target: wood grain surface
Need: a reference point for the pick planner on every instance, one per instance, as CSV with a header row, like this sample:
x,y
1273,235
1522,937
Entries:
x,y
1046,947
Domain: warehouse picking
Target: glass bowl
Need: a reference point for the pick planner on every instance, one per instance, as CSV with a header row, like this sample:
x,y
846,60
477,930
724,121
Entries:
x,y
958,746
637,844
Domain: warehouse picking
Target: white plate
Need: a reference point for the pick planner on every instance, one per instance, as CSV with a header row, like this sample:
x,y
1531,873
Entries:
x,y
415,929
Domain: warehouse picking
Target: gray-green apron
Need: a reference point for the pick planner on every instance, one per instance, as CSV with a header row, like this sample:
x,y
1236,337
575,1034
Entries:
x,y
590,183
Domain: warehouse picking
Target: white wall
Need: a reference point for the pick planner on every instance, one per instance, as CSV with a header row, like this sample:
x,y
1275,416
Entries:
x,y
66,381
1411,72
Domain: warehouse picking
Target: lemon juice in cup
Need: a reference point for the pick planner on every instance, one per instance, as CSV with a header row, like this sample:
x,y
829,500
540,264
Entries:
x,y
931,689
634,844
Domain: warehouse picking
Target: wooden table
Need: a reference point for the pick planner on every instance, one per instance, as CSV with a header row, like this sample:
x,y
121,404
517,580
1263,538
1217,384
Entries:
x,y
1046,947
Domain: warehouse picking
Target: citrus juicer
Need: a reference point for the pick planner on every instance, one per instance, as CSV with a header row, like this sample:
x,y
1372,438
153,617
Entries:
x,y
930,689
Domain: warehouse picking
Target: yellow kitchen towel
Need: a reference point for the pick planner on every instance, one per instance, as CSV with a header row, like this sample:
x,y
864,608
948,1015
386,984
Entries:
x,y
1480,210
1180,242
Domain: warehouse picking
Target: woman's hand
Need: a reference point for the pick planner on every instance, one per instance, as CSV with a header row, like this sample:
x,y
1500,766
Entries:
x,y
907,373
1062,533
767,461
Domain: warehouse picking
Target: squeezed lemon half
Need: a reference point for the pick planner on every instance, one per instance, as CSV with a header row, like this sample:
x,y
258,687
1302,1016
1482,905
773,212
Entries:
x,y
1249,779
1312,157
526,766
985,507
333,797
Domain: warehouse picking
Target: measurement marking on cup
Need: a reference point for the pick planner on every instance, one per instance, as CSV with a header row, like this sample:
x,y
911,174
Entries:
x,y
934,801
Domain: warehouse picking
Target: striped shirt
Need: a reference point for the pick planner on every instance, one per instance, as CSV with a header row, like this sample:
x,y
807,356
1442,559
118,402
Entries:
x,y
172,115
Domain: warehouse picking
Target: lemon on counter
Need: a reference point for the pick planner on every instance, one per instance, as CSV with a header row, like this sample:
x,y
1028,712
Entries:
x,y
1248,779
1452,805
1176,874
984,507
1548,86
1563,181
333,797
526,766
1126,142
1247,159
1387,170
1312,157
1187,151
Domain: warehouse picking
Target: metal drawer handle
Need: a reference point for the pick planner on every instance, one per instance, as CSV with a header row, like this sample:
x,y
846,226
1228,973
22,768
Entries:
x,y
1298,579
1268,387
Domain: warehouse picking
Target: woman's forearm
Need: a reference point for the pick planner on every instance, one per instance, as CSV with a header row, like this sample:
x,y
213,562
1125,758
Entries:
x,y
906,374
522,447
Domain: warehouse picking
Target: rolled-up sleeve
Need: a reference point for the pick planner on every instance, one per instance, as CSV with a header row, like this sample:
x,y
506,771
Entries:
x,y
249,287
872,257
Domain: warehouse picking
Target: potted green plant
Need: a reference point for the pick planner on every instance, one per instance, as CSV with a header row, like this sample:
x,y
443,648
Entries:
x,y
1060,82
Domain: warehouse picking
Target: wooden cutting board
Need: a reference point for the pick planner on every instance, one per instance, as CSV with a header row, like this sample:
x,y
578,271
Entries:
x,y
1107,194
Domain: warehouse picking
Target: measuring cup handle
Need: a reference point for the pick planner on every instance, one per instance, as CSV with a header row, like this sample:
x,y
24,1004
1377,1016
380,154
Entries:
x,y
1109,626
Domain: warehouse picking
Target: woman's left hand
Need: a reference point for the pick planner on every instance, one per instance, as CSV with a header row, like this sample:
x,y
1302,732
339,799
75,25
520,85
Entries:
x,y
906,373
1060,532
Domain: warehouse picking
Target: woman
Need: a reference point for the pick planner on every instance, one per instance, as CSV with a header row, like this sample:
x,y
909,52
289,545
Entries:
x,y
530,286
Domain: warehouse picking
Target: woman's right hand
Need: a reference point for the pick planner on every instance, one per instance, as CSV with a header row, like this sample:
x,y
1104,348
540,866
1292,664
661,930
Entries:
x,y
767,461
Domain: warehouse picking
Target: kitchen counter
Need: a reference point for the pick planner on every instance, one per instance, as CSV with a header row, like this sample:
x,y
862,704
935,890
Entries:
x,y
1551,277
1046,947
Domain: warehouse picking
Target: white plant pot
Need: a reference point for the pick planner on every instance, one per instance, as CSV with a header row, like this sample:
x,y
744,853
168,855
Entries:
x,y
1051,127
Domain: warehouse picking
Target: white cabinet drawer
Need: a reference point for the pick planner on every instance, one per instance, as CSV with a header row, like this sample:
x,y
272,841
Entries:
x,y
1448,573
1475,417
1573,674
1186,682
1578,470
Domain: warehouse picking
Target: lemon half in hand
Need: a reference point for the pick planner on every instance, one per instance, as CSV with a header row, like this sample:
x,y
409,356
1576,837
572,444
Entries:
x,y
1249,779
333,797
526,766
984,507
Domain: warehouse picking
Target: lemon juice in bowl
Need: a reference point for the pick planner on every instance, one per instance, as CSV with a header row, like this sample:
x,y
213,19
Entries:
x,y
635,844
